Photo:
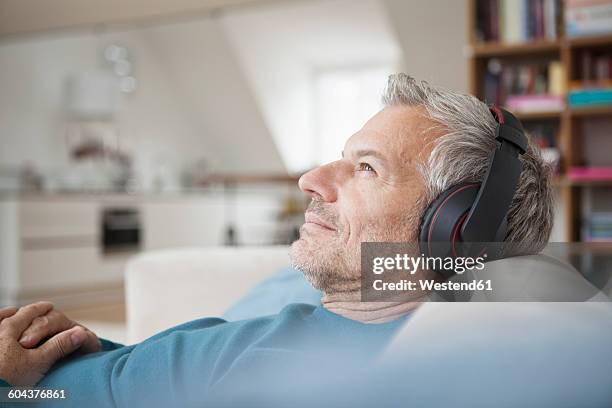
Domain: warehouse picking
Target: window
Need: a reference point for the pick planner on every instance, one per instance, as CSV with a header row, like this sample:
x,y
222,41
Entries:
x,y
345,99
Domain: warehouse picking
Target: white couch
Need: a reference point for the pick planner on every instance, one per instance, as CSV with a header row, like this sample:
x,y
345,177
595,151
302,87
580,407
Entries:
x,y
168,287
524,354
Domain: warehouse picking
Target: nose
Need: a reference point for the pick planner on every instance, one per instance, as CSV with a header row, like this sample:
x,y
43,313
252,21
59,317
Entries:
x,y
320,183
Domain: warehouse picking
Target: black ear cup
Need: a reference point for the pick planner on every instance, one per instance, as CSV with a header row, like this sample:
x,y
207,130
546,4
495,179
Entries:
x,y
443,218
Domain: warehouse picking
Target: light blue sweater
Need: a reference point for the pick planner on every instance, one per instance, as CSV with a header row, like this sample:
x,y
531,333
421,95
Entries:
x,y
180,365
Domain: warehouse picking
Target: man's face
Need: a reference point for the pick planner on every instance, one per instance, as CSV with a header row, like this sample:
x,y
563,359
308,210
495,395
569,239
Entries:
x,y
371,194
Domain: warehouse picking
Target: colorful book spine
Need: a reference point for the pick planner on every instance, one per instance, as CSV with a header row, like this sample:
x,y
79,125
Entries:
x,y
535,103
515,21
525,86
556,79
588,17
551,14
598,227
589,173
590,97
595,65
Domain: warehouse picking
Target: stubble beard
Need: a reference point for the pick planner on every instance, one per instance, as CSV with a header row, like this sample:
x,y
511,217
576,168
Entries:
x,y
331,266
325,264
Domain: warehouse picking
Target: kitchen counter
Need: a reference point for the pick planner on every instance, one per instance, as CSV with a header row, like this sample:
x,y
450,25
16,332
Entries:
x,y
53,243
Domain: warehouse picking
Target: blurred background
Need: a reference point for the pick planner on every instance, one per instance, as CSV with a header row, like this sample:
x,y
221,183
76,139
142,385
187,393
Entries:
x,y
137,125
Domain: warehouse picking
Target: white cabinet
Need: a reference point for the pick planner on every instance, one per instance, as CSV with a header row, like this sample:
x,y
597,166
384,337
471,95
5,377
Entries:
x,y
39,219
50,248
179,223
51,245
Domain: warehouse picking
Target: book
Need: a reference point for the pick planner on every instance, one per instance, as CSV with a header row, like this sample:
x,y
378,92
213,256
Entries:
x,y
598,227
551,14
556,79
588,17
513,84
590,97
537,18
545,134
535,103
595,65
577,173
515,21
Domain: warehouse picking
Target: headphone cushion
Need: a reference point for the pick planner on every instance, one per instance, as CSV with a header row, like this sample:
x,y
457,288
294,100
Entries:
x,y
441,218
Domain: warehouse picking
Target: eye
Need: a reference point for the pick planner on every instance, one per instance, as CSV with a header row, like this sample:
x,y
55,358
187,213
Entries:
x,y
366,167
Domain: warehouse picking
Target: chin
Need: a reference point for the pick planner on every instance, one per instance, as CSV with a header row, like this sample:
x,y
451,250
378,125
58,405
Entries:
x,y
299,251
308,246
321,262
305,253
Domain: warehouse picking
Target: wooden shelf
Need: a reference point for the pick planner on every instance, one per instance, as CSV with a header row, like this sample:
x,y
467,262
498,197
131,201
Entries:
x,y
591,111
573,112
563,181
590,247
497,49
501,49
590,183
543,115
599,248
594,41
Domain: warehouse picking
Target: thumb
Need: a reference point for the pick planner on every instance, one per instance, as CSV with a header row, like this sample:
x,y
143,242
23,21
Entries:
x,y
63,344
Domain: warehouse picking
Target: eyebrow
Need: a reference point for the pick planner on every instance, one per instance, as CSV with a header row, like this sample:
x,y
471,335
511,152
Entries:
x,y
368,152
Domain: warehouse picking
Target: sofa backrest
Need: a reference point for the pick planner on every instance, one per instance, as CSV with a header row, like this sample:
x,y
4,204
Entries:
x,y
489,352
169,287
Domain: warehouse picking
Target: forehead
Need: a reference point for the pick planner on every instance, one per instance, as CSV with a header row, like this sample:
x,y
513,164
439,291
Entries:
x,y
399,133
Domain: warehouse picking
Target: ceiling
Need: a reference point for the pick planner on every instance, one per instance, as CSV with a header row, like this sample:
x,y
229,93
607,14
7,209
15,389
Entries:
x,y
30,16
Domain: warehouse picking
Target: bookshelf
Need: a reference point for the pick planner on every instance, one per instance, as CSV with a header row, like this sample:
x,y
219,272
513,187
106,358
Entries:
x,y
492,49
543,115
591,111
570,136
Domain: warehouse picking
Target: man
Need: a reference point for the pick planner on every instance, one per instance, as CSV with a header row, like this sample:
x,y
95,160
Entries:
x,y
424,141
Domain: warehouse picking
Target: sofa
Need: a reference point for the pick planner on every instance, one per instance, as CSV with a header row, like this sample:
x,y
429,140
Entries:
x,y
168,287
462,354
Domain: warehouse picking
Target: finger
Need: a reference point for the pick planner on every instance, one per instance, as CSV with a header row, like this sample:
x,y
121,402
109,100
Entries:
x,y
91,344
17,323
62,345
7,312
45,326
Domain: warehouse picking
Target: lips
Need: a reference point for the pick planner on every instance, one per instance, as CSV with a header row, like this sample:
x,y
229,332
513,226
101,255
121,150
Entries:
x,y
315,219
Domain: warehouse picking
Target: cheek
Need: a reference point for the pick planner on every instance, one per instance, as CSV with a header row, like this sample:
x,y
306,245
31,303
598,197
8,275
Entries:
x,y
360,209
371,214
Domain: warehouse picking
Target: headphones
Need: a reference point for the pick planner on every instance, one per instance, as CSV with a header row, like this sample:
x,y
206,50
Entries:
x,y
477,212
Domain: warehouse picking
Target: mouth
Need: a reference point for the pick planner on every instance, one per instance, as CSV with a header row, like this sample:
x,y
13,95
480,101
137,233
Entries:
x,y
314,220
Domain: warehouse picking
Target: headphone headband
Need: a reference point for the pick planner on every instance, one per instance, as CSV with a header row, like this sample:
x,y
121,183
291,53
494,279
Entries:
x,y
509,128
497,190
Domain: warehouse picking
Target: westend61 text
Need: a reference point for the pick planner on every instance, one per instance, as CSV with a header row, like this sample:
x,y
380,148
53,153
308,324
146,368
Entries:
x,y
429,285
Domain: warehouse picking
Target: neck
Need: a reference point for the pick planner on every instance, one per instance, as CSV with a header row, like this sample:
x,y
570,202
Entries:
x,y
368,312
347,303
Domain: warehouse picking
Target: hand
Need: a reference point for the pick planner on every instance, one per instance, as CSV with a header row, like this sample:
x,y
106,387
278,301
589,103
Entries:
x,y
52,323
21,366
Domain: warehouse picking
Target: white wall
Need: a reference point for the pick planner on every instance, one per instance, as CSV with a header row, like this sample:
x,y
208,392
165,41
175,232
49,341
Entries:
x,y
433,36
192,100
281,46
215,95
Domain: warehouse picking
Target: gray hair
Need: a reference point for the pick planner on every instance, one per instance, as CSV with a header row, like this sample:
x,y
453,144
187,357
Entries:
x,y
460,155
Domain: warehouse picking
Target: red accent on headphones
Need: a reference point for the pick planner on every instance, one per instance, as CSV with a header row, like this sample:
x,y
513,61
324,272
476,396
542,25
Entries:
x,y
435,216
497,113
